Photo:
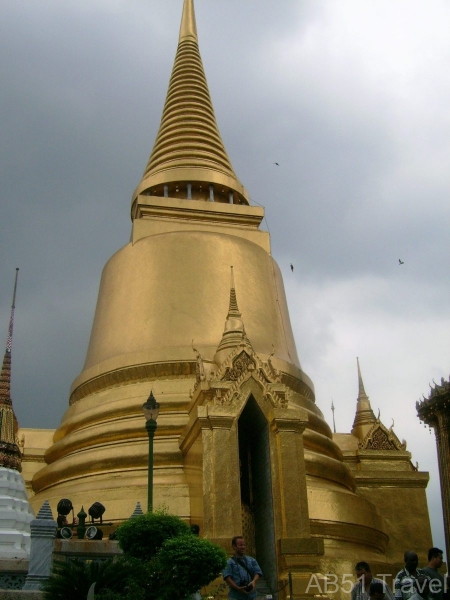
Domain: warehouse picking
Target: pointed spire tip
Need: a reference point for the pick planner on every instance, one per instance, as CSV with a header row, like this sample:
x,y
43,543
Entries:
x,y
364,415
188,28
233,310
361,390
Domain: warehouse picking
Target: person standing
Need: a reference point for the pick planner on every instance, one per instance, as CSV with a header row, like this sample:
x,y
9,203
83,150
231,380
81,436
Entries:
x,y
361,589
241,573
410,580
435,560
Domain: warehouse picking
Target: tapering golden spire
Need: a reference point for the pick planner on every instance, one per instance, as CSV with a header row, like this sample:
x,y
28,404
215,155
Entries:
x,y
233,310
361,390
189,159
234,331
364,417
9,451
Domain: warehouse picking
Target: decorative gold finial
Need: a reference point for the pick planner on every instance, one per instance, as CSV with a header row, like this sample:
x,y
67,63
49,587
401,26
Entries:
x,y
361,390
364,417
188,29
234,330
333,409
233,310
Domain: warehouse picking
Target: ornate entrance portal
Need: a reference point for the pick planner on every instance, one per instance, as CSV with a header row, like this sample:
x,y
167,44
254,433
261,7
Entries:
x,y
256,489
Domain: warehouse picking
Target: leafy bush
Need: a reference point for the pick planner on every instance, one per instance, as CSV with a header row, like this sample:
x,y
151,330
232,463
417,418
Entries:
x,y
162,560
71,579
141,537
185,564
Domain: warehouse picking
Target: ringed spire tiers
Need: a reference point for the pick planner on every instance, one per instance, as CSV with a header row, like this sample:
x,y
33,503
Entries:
x,y
189,160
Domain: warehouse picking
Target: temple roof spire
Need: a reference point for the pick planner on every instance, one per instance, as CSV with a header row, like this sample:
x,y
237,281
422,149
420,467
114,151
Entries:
x,y
234,330
189,160
364,417
9,451
361,390
233,310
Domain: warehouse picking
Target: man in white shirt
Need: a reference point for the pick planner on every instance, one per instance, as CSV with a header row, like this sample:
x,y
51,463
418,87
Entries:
x,y
410,581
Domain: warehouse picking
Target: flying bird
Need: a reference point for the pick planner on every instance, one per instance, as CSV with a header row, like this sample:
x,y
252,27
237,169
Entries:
x,y
400,261
276,164
292,267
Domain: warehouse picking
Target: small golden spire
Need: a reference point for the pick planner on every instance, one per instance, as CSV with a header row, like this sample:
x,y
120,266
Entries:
x,y
233,310
188,29
364,417
234,330
361,390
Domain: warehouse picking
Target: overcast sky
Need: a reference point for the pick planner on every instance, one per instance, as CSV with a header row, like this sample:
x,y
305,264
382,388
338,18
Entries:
x,y
350,97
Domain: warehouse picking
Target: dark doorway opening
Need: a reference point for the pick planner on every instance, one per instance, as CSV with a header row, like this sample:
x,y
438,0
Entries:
x,y
256,490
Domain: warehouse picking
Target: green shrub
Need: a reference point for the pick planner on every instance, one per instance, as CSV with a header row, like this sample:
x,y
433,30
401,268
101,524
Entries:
x,y
162,560
185,564
71,579
141,537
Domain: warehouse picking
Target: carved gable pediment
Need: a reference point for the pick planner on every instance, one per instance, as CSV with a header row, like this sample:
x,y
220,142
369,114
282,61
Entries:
x,y
241,364
381,438
224,387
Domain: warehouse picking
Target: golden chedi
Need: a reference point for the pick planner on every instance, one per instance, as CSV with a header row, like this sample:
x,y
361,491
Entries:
x,y
241,446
